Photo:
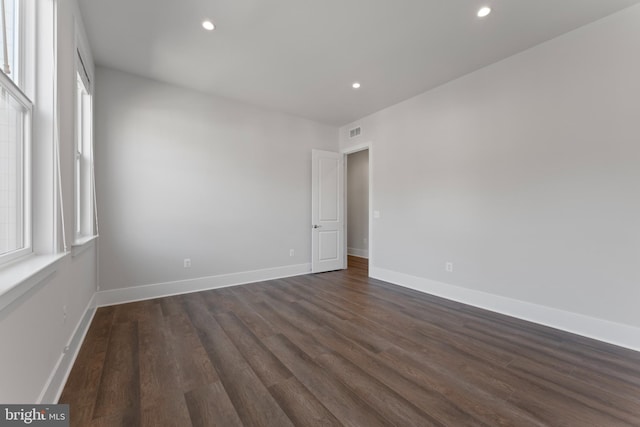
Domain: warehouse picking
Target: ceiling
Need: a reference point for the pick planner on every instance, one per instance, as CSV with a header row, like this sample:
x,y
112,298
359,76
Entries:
x,y
301,56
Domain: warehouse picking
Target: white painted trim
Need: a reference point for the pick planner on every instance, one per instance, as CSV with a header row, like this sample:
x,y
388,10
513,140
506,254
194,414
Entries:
x,y
159,290
362,253
355,148
22,275
81,245
603,330
58,378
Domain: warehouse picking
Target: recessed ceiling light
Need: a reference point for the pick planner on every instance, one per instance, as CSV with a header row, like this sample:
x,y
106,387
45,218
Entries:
x,y
484,11
208,25
356,85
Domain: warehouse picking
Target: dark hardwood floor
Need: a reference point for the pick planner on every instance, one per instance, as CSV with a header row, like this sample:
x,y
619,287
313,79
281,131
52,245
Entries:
x,y
341,349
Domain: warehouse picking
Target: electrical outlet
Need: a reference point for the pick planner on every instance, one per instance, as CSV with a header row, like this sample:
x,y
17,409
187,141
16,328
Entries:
x,y
366,241
64,314
292,252
449,267
187,263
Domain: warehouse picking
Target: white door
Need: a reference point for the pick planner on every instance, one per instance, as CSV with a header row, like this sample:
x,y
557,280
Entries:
x,y
327,212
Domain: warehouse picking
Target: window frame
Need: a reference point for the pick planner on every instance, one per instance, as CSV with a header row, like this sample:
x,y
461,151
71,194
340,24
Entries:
x,y
19,37
16,89
39,50
84,209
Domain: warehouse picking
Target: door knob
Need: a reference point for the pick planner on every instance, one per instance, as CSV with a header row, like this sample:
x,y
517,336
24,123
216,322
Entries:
x,y
316,226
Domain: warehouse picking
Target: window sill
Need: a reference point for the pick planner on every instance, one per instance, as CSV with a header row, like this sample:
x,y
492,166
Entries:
x,y
82,244
17,278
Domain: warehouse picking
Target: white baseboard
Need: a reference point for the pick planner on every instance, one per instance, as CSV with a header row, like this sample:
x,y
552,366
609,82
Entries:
x,y
159,290
362,253
58,378
602,330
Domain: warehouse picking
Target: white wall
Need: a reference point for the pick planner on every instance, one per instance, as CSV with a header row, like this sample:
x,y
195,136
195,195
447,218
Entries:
x,y
525,174
358,203
186,175
33,330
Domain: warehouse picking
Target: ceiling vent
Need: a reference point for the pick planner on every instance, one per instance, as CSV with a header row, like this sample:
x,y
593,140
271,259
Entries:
x,y
354,132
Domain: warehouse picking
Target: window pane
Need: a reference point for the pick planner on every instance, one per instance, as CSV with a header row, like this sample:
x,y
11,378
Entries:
x,y
83,191
12,117
11,18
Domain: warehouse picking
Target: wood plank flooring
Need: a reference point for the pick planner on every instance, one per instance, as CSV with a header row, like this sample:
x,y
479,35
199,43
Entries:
x,y
341,349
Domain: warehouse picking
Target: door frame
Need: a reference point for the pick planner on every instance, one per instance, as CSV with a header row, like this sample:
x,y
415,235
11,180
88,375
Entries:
x,y
345,152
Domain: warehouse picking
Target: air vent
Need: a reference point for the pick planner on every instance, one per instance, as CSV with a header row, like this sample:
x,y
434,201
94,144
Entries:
x,y
354,132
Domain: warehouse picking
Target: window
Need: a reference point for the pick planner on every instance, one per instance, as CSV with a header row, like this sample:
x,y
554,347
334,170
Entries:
x,y
15,140
84,214
11,46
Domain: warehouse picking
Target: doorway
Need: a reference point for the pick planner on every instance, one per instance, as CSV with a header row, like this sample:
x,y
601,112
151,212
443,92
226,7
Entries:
x,y
358,208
